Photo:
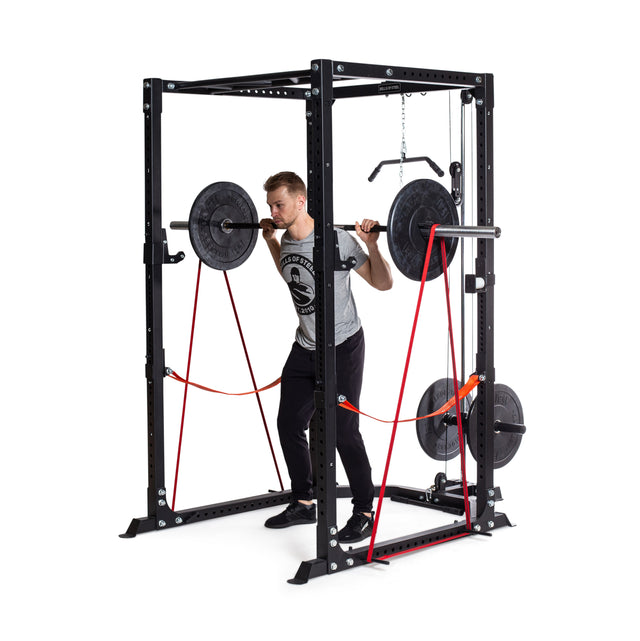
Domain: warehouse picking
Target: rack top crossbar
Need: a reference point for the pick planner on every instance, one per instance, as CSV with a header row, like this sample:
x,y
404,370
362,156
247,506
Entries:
x,y
241,83
356,76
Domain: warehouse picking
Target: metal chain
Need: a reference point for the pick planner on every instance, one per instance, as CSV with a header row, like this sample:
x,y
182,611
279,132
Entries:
x,y
403,145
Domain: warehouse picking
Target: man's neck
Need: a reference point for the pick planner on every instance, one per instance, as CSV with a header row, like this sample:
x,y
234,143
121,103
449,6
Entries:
x,y
302,227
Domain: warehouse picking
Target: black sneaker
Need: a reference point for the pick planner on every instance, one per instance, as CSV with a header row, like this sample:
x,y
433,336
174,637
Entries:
x,y
358,528
296,514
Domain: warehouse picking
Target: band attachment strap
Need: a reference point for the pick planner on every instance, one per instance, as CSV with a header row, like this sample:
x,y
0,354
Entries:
x,y
469,386
177,377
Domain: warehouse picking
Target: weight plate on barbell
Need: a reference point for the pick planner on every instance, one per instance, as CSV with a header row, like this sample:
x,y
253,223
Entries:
x,y
508,409
420,201
217,247
436,437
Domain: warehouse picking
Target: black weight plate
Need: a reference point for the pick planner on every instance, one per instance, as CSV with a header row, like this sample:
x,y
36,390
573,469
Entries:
x,y
508,409
216,247
439,440
420,201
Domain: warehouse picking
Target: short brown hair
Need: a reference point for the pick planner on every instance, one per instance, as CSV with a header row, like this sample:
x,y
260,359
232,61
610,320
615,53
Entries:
x,y
294,184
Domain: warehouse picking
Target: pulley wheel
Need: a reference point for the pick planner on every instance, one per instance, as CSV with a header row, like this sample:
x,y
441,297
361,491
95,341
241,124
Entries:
x,y
217,246
420,201
438,438
507,409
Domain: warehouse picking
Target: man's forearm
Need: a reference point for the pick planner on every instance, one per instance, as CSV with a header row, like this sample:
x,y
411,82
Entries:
x,y
381,277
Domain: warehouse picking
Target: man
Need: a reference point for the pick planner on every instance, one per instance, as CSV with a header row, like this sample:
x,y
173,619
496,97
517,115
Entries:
x,y
286,197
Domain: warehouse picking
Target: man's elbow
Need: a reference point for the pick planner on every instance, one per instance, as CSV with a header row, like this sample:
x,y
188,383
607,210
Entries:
x,y
385,285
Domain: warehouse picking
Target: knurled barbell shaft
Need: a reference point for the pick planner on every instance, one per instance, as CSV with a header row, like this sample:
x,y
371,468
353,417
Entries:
x,y
443,231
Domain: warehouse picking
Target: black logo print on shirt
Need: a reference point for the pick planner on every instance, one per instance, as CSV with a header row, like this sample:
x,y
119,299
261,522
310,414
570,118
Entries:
x,y
297,272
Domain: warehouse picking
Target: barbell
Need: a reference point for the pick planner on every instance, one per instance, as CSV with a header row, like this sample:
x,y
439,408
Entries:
x,y
223,226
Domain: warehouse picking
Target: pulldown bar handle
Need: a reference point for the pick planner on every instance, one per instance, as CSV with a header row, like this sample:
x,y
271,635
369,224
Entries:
x,y
432,164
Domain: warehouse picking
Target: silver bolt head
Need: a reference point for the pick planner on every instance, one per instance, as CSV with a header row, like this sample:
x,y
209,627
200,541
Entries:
x,y
491,502
171,85
349,562
340,68
333,543
334,566
162,492
146,106
490,523
315,66
178,520
162,502
477,527
162,523
389,72
491,492
315,91
333,531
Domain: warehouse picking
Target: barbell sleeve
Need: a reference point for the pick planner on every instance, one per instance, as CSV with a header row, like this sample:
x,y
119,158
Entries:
x,y
463,231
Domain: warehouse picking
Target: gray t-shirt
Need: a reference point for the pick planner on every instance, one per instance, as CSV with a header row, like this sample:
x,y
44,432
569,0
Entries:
x,y
296,265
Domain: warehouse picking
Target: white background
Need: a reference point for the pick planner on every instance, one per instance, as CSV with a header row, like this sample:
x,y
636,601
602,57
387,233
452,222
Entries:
x,y
73,329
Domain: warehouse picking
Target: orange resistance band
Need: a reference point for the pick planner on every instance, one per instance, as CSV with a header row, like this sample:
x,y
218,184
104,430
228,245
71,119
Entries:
x,y
177,377
469,386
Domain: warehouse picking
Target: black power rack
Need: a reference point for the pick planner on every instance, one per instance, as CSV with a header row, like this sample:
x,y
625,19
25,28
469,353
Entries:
x,y
318,88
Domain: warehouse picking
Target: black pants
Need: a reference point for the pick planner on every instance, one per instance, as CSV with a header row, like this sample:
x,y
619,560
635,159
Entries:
x,y
296,410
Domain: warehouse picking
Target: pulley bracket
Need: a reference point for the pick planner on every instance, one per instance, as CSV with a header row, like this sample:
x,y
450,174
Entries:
x,y
455,170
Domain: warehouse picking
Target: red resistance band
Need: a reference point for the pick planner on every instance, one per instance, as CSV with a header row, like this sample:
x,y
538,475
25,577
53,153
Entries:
x,y
186,382
427,545
177,377
402,386
469,386
463,465
186,388
253,378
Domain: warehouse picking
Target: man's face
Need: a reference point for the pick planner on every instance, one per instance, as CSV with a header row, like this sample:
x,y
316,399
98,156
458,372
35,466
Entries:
x,y
285,207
